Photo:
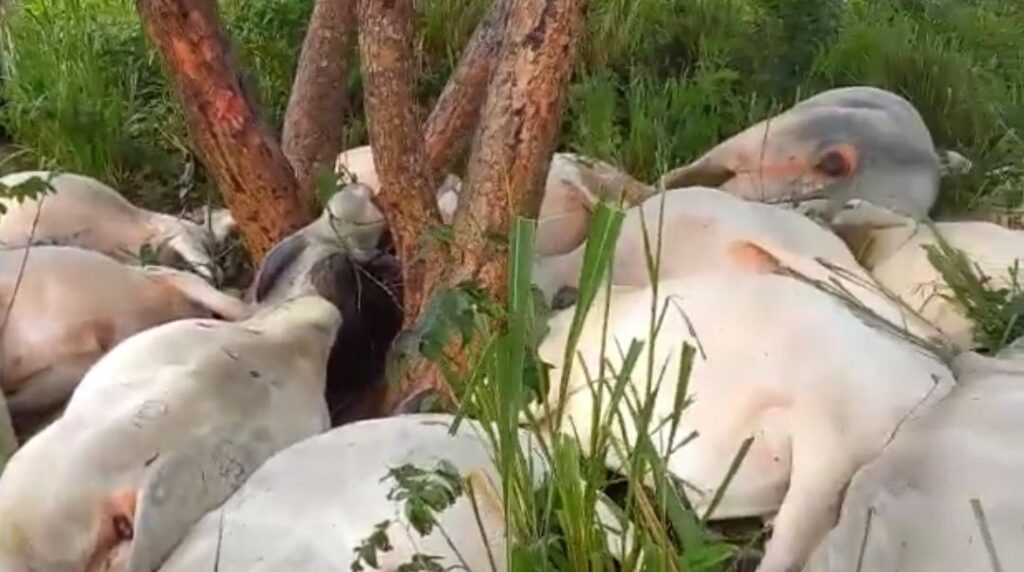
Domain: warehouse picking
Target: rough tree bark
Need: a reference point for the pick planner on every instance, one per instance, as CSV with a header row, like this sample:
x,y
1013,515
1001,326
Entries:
x,y
406,195
241,153
518,132
510,158
314,125
449,129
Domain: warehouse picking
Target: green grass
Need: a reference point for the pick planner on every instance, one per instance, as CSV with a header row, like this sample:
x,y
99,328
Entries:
x,y
996,311
582,515
657,81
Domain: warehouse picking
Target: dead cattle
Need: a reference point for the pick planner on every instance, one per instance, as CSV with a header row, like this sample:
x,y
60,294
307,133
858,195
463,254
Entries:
x,y
818,389
84,212
336,257
838,145
161,430
67,307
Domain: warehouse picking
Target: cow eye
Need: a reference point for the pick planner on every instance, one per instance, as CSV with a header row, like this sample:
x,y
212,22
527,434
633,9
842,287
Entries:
x,y
834,164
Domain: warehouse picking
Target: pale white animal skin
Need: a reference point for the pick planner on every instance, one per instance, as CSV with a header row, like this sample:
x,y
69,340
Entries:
x,y
574,185
309,507
161,430
818,389
855,142
704,229
86,213
74,305
894,252
218,221
919,490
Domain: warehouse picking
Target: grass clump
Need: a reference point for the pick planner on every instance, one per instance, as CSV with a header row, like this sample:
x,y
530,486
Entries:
x,y
996,311
582,516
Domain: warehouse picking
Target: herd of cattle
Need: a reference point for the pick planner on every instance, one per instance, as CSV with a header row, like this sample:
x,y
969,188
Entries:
x,y
155,422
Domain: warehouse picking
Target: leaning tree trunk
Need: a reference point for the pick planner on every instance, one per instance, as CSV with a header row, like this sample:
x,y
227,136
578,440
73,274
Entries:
x,y
450,127
510,158
314,124
512,149
242,154
407,194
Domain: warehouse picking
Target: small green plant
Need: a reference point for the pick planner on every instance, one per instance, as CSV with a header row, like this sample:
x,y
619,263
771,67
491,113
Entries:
x,y
424,493
30,189
997,312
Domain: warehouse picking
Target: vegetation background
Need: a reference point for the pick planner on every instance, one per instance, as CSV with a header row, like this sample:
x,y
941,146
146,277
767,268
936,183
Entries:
x,y
658,81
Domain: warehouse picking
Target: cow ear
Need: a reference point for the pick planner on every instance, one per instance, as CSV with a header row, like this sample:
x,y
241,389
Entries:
x,y
708,171
752,257
581,195
201,292
185,485
283,255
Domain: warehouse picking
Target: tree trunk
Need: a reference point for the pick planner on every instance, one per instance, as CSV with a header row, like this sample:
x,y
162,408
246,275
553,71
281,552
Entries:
x,y
406,195
314,124
510,159
239,150
450,126
512,149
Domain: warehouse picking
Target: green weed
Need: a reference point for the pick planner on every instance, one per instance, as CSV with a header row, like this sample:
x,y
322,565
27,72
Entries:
x,y
997,312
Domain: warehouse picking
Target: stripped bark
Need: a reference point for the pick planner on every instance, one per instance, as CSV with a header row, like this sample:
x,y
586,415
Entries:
x,y
314,123
449,129
237,148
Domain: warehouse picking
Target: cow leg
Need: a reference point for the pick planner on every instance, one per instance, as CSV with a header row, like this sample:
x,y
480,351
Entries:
x,y
822,467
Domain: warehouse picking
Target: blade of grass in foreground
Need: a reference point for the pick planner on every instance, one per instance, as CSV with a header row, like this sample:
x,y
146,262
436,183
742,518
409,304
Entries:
x,y
508,378
598,253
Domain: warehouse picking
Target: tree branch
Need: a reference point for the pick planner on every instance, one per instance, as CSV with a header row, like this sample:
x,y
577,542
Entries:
x,y
449,129
314,124
239,150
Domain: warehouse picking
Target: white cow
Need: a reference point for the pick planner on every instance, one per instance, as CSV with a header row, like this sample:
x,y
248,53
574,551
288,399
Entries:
x,y
86,213
65,307
161,430
349,223
703,229
574,186
818,389
358,161
336,257
911,509
310,506
841,144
